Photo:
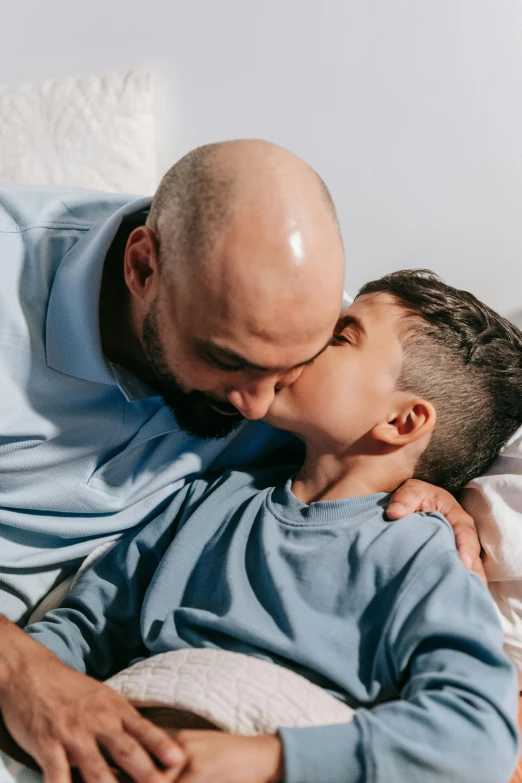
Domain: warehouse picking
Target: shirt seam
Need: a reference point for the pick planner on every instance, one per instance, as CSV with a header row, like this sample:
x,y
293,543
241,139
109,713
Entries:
x,y
20,229
291,523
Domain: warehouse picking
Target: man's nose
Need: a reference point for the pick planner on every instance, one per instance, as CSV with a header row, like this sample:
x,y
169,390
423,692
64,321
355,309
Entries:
x,y
254,400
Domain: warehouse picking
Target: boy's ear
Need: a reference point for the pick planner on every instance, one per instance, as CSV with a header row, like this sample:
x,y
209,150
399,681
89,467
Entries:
x,y
412,421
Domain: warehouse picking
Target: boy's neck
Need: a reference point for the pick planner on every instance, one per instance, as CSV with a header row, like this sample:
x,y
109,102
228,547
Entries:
x,y
327,476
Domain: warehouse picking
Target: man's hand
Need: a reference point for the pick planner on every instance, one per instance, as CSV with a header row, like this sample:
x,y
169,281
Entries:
x,y
416,495
65,719
214,757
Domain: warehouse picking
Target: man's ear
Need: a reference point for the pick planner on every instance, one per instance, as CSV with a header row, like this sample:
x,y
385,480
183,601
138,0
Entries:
x,y
412,421
141,261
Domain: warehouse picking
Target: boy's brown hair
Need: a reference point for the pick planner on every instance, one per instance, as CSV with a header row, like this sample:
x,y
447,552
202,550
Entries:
x,y
466,360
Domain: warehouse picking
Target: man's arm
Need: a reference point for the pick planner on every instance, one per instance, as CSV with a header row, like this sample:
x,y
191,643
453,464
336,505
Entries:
x,y
63,718
414,495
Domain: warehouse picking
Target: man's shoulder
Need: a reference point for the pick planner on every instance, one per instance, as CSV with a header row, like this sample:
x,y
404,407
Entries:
x,y
24,207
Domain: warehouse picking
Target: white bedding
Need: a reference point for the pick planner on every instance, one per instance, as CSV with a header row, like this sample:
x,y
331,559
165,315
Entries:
x,y
87,131
495,502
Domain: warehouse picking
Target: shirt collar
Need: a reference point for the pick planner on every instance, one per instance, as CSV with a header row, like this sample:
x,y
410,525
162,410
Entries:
x,y
132,387
73,341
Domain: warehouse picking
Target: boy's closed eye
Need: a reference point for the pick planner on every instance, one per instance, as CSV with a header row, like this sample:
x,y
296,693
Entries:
x,y
342,337
349,330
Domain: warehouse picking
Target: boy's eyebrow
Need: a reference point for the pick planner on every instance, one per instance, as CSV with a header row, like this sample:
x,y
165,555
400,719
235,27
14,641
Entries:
x,y
246,364
351,320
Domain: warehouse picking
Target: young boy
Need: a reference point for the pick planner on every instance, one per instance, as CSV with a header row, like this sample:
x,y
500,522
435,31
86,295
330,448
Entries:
x,y
305,570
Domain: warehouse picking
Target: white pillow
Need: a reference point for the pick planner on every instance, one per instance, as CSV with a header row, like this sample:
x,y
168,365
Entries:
x,y
86,131
231,691
495,502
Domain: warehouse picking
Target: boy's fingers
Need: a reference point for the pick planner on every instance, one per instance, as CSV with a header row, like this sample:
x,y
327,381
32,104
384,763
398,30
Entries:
x,y
156,741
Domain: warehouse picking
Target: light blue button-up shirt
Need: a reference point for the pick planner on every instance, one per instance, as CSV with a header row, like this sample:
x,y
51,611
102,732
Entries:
x,y
87,450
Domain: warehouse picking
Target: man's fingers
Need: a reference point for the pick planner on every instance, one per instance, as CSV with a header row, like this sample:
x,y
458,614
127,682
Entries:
x,y
9,746
408,498
468,547
54,764
467,540
86,755
416,495
478,567
396,510
129,755
156,741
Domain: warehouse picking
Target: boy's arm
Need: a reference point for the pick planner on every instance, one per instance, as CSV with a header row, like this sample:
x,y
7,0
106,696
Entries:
x,y
96,629
457,715
59,716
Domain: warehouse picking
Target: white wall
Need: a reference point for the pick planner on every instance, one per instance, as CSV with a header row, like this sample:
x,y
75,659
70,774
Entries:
x,y
410,109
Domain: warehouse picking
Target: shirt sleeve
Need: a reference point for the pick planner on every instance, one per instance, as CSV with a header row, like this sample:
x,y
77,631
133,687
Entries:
x,y
96,629
456,718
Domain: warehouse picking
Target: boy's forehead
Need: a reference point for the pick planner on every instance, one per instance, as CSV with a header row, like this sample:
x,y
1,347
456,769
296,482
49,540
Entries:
x,y
376,312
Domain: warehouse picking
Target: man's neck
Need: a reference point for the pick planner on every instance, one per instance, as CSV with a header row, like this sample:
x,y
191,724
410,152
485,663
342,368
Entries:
x,y
327,476
118,320
118,328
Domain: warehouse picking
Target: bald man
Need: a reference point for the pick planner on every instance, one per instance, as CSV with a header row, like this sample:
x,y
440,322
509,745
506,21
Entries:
x,y
135,339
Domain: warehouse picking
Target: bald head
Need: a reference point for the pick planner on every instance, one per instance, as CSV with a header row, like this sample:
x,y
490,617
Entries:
x,y
249,276
201,194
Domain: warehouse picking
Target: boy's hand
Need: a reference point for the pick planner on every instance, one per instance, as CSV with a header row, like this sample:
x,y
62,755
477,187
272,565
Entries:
x,y
214,757
416,495
65,719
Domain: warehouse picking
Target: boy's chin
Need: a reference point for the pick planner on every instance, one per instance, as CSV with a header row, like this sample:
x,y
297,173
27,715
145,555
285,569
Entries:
x,y
279,415
275,420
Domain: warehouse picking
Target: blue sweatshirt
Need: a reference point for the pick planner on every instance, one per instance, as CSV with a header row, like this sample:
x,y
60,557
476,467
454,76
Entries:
x,y
381,614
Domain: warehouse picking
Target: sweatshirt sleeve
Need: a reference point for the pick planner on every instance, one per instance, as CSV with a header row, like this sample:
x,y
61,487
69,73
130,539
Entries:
x,y
96,629
456,718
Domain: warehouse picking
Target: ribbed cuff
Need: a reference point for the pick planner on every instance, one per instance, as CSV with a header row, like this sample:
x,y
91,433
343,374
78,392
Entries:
x,y
56,644
329,754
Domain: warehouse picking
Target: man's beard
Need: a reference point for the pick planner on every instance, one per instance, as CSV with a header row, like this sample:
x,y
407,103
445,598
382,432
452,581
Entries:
x,y
192,409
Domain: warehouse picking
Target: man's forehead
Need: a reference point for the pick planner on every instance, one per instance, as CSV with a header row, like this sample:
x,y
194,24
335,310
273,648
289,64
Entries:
x,y
242,341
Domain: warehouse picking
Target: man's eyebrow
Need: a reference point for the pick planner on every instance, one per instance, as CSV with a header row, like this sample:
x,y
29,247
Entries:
x,y
244,363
